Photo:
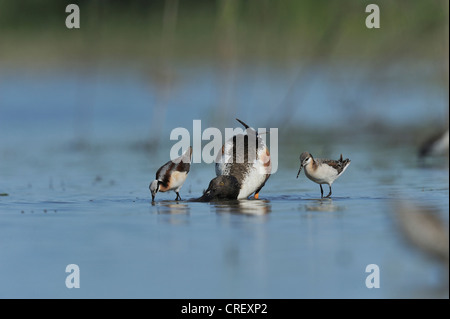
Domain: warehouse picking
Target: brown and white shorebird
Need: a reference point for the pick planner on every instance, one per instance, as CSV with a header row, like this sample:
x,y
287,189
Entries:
x,y
172,175
322,171
436,144
247,158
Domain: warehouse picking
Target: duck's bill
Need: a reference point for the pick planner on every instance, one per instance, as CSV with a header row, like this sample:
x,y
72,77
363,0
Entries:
x,y
206,197
210,197
299,171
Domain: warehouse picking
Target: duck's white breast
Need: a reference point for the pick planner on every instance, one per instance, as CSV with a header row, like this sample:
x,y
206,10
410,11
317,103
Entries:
x,y
252,181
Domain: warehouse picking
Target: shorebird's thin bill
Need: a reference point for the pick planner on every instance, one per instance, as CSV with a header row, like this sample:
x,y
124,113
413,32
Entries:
x,y
299,171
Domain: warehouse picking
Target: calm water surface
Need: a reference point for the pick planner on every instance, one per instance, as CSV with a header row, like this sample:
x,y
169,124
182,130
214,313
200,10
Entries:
x,y
89,204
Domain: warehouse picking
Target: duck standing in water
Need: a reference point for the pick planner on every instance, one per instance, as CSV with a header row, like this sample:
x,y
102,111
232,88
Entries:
x,y
246,157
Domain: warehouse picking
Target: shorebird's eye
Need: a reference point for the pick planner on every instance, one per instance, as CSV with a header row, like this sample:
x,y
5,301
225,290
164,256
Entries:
x,y
221,184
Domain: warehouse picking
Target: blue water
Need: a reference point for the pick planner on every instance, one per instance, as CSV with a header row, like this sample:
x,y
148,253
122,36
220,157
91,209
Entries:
x,y
75,165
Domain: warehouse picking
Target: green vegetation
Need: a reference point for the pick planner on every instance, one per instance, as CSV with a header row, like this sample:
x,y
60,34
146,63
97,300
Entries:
x,y
34,32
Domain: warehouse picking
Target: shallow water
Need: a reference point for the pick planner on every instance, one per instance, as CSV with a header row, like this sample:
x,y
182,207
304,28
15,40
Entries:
x,y
89,204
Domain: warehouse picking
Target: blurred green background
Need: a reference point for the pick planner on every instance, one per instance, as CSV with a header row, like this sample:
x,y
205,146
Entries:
x,y
283,31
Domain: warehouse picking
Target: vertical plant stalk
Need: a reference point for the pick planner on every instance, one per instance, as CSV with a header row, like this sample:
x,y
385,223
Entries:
x,y
227,58
165,73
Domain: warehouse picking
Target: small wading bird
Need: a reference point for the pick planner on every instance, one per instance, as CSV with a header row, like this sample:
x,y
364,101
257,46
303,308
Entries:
x,y
246,157
172,175
322,171
436,144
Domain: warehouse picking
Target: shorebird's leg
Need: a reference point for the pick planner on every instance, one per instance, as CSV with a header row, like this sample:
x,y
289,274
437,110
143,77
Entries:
x,y
329,194
178,196
321,191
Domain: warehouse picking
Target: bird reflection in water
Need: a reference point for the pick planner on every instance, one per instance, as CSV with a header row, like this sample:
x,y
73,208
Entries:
x,y
173,212
322,205
246,207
